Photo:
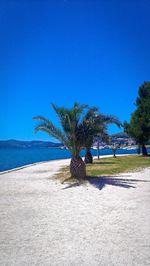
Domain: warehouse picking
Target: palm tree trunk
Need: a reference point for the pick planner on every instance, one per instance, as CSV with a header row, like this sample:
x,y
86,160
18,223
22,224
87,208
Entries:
x,y
144,150
139,149
114,153
77,167
88,157
98,149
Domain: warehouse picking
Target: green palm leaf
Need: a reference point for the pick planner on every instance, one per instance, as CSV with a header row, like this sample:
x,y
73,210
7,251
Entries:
x,y
47,126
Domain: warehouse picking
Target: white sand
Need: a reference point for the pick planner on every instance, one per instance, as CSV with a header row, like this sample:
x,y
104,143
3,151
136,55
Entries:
x,y
42,222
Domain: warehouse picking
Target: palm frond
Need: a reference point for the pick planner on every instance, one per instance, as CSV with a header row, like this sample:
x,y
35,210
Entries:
x,y
108,119
41,118
47,126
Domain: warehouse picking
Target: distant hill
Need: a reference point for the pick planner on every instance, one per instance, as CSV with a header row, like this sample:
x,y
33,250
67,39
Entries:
x,y
120,135
122,138
26,144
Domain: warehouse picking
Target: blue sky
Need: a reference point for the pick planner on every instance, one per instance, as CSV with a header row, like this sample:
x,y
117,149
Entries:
x,y
61,51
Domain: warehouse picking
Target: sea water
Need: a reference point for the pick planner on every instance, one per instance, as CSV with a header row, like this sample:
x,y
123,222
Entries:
x,y
16,157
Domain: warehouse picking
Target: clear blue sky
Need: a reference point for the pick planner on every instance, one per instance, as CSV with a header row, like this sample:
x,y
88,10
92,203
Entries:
x,y
61,51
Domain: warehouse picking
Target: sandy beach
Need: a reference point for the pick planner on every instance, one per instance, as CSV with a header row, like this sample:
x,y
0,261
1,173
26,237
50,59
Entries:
x,y
99,223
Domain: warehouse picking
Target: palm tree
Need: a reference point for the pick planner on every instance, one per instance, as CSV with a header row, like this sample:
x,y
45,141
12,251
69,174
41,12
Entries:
x,y
102,136
89,130
70,134
95,126
114,149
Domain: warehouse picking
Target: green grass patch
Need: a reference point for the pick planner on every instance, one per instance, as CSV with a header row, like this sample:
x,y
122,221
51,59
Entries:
x,y
120,164
108,166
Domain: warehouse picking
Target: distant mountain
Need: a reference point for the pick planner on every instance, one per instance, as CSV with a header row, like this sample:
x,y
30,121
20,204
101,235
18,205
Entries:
x,y
26,144
122,138
120,135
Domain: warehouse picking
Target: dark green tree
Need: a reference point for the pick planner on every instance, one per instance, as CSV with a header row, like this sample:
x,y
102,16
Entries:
x,y
139,126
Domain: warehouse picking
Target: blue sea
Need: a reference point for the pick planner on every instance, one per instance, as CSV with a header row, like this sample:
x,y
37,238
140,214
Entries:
x,y
16,157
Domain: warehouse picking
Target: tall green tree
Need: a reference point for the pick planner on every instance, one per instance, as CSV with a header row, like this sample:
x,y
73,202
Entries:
x,y
70,134
139,126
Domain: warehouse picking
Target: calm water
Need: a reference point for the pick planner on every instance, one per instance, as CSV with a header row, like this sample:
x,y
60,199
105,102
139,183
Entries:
x,y
15,157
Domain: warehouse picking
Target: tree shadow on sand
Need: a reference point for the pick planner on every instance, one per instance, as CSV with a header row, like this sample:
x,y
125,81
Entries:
x,y
101,182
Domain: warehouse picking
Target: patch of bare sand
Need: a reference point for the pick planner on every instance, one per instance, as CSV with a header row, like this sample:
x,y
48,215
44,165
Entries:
x,y
103,222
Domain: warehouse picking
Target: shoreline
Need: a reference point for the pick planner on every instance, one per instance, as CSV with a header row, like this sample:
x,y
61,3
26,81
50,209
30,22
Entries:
x,y
56,160
29,165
